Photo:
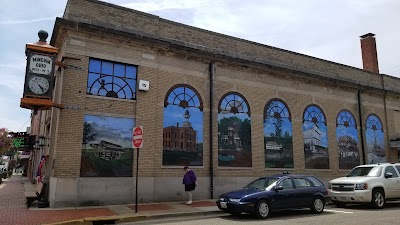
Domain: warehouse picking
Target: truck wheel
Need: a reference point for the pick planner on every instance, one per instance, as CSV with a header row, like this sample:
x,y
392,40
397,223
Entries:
x,y
262,209
378,199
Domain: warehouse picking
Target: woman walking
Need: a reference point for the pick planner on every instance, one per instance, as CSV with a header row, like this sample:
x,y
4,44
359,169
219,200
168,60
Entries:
x,y
190,182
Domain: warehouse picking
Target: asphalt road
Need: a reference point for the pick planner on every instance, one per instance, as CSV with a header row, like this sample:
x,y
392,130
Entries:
x,y
350,215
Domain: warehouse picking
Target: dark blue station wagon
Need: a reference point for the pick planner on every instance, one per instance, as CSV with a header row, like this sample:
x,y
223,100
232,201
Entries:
x,y
278,192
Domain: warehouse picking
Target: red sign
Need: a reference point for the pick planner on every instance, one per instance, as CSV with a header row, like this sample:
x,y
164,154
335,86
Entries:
x,y
137,137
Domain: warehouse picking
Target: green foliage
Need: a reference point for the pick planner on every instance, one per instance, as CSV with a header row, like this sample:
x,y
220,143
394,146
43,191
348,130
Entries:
x,y
243,129
5,140
88,133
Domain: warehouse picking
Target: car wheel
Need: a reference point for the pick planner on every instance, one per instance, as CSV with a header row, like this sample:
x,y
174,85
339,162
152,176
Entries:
x,y
318,205
378,199
263,209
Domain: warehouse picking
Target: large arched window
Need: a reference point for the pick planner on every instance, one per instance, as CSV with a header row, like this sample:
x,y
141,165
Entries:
x,y
375,139
347,140
234,131
278,135
183,127
315,136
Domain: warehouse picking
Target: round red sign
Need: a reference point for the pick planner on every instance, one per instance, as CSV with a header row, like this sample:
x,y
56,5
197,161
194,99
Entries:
x,y
137,137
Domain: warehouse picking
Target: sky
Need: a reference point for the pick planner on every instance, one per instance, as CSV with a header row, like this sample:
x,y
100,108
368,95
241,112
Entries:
x,y
320,28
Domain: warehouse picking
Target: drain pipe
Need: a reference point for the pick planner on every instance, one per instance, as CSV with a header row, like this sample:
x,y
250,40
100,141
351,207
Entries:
x,y
212,68
386,118
361,126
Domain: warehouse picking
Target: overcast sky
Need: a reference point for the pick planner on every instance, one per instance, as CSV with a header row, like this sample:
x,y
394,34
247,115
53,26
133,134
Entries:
x,y
321,28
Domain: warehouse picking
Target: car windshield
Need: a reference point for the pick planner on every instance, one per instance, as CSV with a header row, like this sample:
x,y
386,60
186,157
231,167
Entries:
x,y
370,171
261,183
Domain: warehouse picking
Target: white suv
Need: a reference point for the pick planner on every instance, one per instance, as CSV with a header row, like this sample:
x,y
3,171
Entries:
x,y
374,184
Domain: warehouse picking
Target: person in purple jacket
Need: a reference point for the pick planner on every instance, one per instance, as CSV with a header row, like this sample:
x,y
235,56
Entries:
x,y
190,182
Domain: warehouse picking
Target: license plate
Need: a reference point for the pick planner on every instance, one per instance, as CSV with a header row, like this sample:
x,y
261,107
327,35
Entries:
x,y
223,205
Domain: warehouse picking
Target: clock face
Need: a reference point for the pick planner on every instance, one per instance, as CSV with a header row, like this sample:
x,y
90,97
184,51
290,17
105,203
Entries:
x,y
39,85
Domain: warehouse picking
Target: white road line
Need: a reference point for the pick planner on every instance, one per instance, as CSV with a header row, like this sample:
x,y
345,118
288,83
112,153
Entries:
x,y
336,211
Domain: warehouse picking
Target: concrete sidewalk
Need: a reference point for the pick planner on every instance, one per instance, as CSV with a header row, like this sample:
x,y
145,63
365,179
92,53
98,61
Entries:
x,y
13,210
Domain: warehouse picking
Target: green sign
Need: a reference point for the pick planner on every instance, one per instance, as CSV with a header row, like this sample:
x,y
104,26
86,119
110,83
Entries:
x,y
18,142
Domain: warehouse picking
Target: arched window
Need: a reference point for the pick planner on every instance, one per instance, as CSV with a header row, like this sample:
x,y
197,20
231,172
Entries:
x,y
183,115
234,131
278,135
315,136
347,140
375,139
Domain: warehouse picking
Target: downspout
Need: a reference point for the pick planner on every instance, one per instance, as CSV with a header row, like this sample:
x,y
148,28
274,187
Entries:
x,y
361,126
386,117
212,68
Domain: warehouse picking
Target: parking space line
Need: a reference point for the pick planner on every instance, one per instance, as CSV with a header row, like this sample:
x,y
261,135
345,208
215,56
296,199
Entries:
x,y
336,211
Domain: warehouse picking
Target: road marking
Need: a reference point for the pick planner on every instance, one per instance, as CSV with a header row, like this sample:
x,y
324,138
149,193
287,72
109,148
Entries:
x,y
336,211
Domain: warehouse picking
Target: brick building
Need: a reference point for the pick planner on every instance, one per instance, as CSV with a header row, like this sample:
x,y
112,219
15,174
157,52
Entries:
x,y
269,99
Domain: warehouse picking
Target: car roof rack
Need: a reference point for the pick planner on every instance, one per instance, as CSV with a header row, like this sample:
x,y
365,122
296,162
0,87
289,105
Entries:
x,y
286,172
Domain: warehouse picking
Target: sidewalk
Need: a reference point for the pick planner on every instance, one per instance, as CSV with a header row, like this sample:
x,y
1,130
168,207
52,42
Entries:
x,y
13,210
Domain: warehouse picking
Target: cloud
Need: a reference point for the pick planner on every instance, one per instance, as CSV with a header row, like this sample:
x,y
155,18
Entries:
x,y
13,22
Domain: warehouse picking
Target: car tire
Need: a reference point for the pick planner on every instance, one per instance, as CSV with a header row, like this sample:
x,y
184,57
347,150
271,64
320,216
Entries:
x,y
378,199
263,209
318,205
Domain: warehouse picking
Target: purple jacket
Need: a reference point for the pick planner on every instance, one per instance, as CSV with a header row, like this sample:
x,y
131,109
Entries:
x,y
189,178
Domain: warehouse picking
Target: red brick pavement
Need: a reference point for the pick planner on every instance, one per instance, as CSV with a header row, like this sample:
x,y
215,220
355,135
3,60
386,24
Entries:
x,y
13,210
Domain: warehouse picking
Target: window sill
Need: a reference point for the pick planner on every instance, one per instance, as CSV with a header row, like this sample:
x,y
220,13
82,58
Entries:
x,y
109,98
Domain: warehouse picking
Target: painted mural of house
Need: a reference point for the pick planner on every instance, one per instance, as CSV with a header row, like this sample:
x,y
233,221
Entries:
x,y
176,138
107,150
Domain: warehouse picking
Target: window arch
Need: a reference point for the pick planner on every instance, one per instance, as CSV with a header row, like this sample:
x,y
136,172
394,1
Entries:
x,y
315,138
375,139
347,140
183,127
233,102
234,131
278,135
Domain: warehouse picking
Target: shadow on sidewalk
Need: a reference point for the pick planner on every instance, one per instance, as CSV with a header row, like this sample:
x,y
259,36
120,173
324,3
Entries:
x,y
14,211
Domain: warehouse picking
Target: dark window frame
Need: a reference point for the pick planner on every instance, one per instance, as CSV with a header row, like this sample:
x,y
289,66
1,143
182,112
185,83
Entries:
x,y
117,83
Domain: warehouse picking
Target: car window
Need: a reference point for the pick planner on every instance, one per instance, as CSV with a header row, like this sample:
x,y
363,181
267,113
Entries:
x,y
314,181
398,169
301,183
370,171
390,169
258,184
286,184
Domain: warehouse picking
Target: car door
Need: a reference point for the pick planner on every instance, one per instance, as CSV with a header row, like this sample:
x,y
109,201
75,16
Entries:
x,y
304,192
284,198
391,183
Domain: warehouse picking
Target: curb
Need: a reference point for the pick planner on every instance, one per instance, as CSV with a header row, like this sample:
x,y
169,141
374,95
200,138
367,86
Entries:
x,y
131,218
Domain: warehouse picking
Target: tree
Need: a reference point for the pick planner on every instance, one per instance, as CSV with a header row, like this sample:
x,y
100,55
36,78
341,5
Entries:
x,y
5,140
89,134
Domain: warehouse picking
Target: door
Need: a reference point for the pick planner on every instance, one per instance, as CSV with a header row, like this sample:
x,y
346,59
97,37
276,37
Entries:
x,y
304,192
392,183
284,198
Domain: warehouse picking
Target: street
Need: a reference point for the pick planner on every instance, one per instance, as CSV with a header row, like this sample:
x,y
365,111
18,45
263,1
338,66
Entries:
x,y
350,215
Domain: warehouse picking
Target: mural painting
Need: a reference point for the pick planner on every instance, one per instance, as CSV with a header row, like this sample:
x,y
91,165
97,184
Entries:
x,y
278,135
315,138
107,146
375,140
234,132
183,127
347,140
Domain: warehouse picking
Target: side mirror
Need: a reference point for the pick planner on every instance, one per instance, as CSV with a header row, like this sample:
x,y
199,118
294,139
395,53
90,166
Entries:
x,y
278,188
388,175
